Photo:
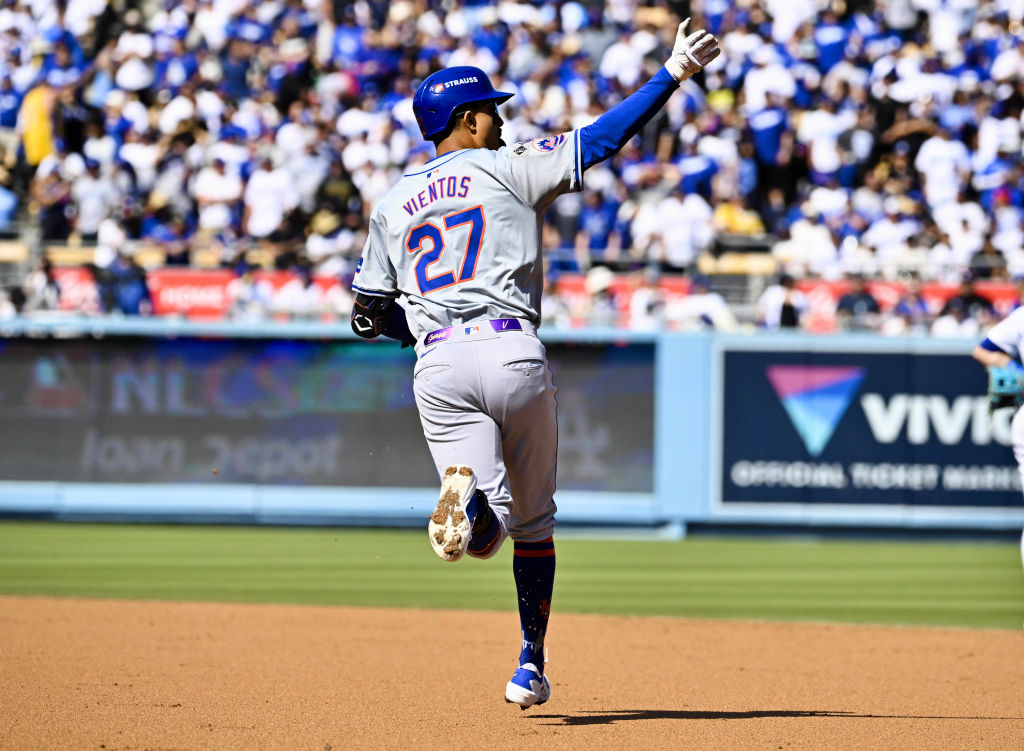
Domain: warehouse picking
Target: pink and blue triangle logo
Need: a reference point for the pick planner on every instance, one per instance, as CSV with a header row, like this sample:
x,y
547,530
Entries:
x,y
815,397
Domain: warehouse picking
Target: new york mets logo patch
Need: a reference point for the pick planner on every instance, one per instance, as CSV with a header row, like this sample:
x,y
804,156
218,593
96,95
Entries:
x,y
548,143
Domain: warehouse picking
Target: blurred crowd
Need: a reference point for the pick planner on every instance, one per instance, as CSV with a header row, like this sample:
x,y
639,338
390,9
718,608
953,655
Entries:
x,y
857,140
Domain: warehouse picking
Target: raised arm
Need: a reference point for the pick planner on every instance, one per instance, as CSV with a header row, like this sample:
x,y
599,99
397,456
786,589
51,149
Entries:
x,y
613,129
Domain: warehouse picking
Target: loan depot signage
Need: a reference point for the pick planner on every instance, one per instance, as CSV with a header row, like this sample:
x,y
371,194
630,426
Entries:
x,y
879,428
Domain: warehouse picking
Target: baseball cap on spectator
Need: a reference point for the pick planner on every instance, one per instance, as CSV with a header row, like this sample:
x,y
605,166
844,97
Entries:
x,y
40,47
891,205
230,131
294,50
598,279
763,55
115,99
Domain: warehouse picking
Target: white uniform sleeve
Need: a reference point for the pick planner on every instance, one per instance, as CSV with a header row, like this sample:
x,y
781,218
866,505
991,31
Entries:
x,y
542,169
1007,334
375,274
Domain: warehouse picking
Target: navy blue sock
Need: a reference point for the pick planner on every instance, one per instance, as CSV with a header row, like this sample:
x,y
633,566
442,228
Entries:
x,y
533,565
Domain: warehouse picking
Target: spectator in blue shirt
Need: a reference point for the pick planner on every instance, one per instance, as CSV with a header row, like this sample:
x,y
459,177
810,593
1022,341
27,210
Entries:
x,y
171,232
129,291
247,27
59,34
597,223
235,63
766,129
10,102
176,66
830,38
59,69
697,171
348,50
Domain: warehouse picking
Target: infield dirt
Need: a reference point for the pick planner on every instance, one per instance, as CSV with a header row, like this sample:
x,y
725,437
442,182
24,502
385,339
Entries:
x,y
89,674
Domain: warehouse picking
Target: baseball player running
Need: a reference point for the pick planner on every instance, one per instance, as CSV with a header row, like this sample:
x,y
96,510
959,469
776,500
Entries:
x,y
1001,352
452,265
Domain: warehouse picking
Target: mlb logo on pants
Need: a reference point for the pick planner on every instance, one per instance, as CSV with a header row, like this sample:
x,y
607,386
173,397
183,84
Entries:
x,y
471,330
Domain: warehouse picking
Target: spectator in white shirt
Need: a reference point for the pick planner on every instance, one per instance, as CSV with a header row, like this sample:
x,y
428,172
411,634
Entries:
x,y
133,54
142,153
809,250
95,198
249,298
270,197
683,229
479,57
769,77
1009,64
217,194
622,61
782,305
962,215
820,130
944,166
300,298
892,231
646,303
702,308
957,322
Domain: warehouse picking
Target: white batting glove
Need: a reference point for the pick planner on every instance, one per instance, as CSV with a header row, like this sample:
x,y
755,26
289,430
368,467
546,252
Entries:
x,y
691,53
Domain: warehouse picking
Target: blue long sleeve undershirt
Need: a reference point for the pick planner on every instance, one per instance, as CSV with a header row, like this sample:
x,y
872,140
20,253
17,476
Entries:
x,y
610,132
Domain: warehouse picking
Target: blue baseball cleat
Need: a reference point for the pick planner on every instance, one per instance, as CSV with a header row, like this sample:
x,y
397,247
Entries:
x,y
529,685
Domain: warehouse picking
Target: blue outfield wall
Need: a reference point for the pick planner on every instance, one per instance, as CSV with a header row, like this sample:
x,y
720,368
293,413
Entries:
x,y
303,424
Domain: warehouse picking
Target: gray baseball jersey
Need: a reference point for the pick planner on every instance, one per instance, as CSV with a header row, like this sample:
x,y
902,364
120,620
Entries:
x,y
458,240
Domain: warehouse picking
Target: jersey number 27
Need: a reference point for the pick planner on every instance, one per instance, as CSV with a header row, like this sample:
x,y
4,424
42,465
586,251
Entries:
x,y
474,217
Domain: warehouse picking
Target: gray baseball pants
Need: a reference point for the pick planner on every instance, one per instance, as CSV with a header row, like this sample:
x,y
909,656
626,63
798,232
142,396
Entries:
x,y
486,399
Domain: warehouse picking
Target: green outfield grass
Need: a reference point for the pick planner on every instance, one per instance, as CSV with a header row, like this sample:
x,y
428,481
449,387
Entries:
x,y
979,585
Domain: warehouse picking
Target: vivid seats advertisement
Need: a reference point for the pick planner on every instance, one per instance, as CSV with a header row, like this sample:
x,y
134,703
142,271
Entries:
x,y
863,428
285,412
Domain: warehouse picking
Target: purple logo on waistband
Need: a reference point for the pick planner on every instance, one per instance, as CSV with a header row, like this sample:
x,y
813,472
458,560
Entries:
x,y
498,324
506,324
437,336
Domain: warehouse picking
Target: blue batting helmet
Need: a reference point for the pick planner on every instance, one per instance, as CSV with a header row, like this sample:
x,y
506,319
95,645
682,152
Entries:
x,y
443,92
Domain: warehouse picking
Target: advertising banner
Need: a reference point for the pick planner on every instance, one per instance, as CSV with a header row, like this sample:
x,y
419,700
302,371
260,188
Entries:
x,y
285,412
863,428
201,294
823,297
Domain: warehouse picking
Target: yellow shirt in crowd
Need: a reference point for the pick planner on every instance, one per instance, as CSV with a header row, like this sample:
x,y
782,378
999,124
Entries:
x,y
36,125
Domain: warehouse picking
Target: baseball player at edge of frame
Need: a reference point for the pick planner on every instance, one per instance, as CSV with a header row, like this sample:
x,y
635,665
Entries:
x,y
1001,352
452,265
